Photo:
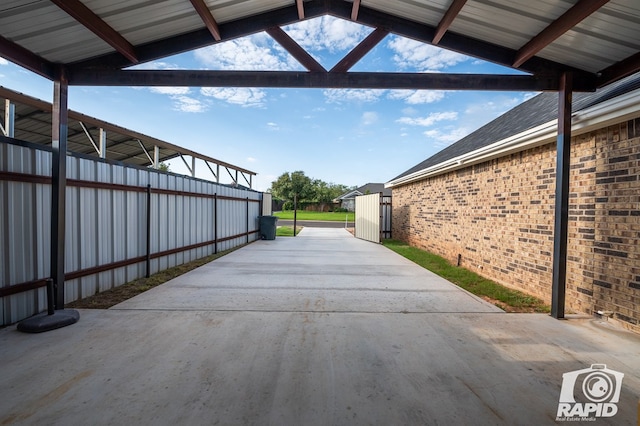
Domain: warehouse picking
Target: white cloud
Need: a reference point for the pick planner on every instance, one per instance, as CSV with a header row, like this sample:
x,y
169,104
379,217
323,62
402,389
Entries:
x,y
428,120
447,136
3,61
416,97
188,104
273,126
411,54
252,160
349,95
327,33
369,118
170,90
247,97
253,53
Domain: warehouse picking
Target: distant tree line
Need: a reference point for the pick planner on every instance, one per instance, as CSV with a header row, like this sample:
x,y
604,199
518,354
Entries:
x,y
311,193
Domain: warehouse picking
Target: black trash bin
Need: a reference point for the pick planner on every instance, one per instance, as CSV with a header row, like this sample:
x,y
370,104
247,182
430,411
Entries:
x,y
268,227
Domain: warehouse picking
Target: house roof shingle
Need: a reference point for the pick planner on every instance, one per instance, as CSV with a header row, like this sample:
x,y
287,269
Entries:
x,y
531,113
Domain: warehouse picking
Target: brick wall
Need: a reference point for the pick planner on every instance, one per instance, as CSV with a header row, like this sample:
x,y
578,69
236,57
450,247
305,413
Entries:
x,y
498,216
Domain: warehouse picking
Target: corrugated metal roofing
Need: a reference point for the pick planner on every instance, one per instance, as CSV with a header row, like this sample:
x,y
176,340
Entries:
x,y
489,29
538,110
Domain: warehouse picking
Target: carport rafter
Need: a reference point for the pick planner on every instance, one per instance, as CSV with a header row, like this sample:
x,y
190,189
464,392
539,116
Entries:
x,y
85,16
576,14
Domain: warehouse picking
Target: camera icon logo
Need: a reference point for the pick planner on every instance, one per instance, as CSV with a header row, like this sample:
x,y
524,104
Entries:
x,y
589,393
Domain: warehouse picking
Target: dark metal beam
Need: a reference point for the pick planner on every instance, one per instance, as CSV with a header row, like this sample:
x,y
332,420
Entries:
x,y
564,23
59,127
560,232
447,20
619,70
207,18
85,16
294,79
290,45
360,50
25,58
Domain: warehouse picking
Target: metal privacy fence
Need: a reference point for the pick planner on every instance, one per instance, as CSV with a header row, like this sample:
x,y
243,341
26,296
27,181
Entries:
x,y
122,223
373,217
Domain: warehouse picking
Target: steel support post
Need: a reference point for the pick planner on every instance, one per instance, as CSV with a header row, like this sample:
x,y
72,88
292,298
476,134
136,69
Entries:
x,y
156,157
563,156
59,131
9,119
103,143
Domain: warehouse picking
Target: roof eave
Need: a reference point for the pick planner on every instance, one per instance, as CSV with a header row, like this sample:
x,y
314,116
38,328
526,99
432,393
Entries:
x,y
603,114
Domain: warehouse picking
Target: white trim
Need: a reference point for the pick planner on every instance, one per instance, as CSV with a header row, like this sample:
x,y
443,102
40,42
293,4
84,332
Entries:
x,y
618,109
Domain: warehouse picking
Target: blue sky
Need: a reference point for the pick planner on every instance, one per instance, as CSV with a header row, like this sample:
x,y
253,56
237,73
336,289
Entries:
x,y
348,137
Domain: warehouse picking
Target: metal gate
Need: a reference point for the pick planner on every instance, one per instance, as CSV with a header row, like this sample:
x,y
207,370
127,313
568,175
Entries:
x,y
373,217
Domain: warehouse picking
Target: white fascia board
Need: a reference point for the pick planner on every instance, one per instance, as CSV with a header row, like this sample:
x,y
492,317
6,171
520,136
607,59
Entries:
x,y
618,109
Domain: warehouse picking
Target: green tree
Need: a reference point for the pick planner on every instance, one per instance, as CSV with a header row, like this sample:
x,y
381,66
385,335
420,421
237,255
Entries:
x,y
290,185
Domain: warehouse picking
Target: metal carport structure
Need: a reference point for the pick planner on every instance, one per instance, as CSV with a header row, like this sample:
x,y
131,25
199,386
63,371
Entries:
x,y
563,46
27,118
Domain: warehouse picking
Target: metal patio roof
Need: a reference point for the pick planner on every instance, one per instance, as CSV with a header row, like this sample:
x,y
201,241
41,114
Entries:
x,y
33,123
92,41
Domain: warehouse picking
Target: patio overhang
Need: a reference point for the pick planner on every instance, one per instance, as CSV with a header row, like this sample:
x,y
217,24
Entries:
x,y
81,45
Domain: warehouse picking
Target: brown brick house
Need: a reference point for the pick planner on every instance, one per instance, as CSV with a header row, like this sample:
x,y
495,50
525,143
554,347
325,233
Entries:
x,y
490,199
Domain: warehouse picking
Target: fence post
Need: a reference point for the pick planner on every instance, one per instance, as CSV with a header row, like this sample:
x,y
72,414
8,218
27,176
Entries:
x,y
215,223
148,274
247,220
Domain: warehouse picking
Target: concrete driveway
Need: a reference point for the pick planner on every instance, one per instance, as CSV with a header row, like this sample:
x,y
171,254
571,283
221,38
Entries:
x,y
321,329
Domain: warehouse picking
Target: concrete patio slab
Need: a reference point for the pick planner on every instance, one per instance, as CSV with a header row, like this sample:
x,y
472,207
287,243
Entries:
x,y
321,270
226,359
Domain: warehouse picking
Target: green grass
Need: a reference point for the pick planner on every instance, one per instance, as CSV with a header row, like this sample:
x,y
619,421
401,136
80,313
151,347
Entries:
x,y
328,216
286,231
503,297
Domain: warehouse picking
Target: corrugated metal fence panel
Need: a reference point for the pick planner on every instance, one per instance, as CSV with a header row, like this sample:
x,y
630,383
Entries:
x,y
266,204
368,217
24,220
107,225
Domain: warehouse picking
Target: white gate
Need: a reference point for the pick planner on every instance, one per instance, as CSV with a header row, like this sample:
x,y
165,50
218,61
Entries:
x,y
373,217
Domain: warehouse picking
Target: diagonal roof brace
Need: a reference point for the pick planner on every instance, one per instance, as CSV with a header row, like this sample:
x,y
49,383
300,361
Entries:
x,y
360,50
146,152
93,142
290,45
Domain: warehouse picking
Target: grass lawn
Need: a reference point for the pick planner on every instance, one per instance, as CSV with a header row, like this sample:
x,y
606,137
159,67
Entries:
x,y
328,216
286,231
501,296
